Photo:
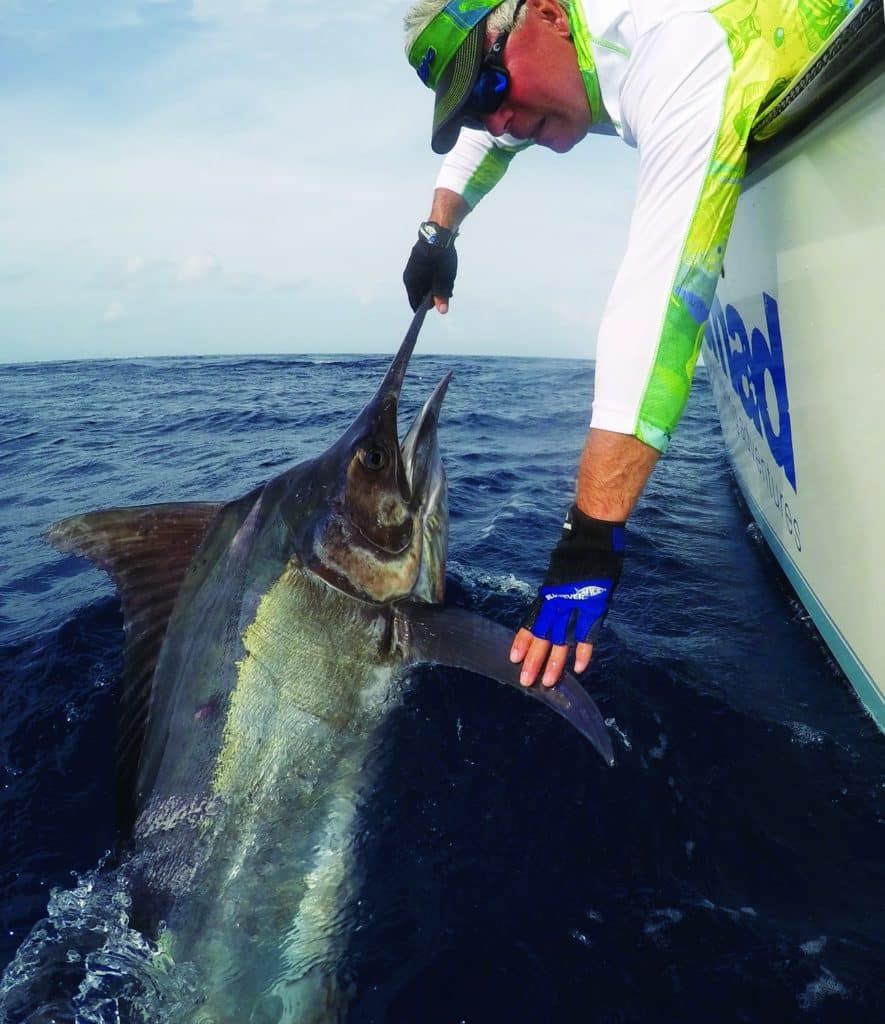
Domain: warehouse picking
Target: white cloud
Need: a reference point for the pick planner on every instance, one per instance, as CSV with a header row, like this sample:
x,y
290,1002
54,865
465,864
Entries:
x,y
197,268
267,167
114,312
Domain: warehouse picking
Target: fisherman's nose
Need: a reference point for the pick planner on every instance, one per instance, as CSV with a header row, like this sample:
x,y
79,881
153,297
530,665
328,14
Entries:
x,y
496,123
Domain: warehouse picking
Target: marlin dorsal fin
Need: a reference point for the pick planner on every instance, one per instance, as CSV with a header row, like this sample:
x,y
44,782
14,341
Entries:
x,y
146,550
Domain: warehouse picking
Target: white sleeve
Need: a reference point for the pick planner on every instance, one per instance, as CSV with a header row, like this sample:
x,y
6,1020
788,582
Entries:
x,y
476,164
678,104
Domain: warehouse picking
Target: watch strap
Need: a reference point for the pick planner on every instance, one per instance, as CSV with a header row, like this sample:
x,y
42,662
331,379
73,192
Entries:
x,y
436,235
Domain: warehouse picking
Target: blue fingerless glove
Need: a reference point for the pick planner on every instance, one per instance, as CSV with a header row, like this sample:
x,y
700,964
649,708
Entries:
x,y
584,570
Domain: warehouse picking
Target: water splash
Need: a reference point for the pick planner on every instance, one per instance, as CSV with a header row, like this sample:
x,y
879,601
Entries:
x,y
85,962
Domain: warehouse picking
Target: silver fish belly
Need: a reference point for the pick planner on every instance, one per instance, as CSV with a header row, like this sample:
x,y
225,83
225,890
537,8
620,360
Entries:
x,y
258,868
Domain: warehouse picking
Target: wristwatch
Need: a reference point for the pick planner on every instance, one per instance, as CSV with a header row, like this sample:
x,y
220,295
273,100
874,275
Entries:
x,y
435,234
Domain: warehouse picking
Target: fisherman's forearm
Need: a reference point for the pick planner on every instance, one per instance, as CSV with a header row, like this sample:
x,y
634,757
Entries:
x,y
612,473
448,209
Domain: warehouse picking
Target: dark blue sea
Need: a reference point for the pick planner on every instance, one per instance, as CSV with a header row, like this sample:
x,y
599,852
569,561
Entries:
x,y
730,867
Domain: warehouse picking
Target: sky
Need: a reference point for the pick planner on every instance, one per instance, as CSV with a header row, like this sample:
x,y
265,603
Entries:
x,y
197,177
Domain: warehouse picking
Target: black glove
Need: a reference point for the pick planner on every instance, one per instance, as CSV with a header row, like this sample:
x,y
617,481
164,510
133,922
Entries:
x,y
432,264
584,570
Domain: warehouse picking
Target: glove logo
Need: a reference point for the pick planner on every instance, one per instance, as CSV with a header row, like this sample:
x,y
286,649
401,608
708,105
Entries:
x,y
579,594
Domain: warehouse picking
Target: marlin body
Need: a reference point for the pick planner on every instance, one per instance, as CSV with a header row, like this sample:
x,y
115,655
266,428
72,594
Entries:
x,y
265,643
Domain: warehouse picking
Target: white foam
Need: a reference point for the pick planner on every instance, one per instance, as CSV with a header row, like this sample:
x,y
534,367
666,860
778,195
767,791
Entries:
x,y
804,735
814,946
498,583
661,919
611,723
825,985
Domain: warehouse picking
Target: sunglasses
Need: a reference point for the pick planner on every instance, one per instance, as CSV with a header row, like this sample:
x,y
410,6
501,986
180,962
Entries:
x,y
492,84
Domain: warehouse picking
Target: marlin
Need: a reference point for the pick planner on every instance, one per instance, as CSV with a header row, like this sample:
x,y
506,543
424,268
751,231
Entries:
x,y
266,642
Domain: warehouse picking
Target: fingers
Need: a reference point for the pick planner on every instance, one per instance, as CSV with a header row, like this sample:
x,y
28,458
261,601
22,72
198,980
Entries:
x,y
583,654
521,643
533,653
539,655
555,664
442,305
533,661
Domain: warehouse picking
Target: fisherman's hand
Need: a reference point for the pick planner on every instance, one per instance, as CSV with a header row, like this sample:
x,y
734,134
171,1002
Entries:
x,y
432,266
573,600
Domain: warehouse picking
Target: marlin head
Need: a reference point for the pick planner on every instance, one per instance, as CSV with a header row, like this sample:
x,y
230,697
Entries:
x,y
379,522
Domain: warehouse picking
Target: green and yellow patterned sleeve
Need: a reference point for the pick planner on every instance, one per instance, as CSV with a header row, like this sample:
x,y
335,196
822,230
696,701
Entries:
x,y
694,88
476,164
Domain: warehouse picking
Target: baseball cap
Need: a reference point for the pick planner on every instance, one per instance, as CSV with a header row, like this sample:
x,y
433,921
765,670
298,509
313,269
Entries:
x,y
447,56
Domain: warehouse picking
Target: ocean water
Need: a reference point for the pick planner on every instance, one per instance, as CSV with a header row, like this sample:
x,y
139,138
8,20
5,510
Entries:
x,y
730,867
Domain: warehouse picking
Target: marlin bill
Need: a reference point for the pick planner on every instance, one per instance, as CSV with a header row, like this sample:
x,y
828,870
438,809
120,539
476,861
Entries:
x,y
267,640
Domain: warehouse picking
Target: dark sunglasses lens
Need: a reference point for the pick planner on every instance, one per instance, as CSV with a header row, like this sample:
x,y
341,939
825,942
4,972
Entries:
x,y
489,92
475,122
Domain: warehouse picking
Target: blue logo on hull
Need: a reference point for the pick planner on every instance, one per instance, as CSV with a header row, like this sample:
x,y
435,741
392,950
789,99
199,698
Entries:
x,y
749,359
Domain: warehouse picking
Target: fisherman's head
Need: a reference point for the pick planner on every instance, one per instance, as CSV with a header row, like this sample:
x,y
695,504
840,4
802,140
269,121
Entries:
x,y
509,66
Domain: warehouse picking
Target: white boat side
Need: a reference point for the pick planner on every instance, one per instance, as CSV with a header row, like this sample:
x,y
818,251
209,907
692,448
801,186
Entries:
x,y
795,346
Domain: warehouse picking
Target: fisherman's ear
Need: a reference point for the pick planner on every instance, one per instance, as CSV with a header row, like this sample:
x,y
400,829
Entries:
x,y
552,14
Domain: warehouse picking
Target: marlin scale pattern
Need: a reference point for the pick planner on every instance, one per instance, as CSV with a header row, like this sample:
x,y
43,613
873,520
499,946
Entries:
x,y
267,640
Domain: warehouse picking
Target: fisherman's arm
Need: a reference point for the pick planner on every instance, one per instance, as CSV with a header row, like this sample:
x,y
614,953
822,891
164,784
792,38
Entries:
x,y
691,165
612,473
469,172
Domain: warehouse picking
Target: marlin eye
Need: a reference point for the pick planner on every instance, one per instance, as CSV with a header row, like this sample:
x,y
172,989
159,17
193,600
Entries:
x,y
373,458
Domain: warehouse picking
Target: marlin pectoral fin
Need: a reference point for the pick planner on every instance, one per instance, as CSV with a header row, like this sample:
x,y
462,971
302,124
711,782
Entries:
x,y
453,636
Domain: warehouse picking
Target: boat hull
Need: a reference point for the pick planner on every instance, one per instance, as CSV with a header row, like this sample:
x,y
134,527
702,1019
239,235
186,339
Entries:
x,y
795,350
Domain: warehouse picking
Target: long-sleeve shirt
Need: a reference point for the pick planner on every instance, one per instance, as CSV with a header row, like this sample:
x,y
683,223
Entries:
x,y
681,81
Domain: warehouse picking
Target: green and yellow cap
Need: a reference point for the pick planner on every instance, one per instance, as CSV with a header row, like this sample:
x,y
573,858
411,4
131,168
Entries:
x,y
447,56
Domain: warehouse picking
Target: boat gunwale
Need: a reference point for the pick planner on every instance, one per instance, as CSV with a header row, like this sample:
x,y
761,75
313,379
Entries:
x,y
853,56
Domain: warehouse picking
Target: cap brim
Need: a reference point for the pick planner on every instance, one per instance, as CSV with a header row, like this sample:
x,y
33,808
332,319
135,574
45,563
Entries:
x,y
455,85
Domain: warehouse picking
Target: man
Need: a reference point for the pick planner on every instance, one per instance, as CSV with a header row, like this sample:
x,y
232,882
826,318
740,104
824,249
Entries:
x,y
681,81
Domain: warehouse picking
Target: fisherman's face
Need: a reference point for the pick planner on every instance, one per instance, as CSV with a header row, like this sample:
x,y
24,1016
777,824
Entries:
x,y
546,101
